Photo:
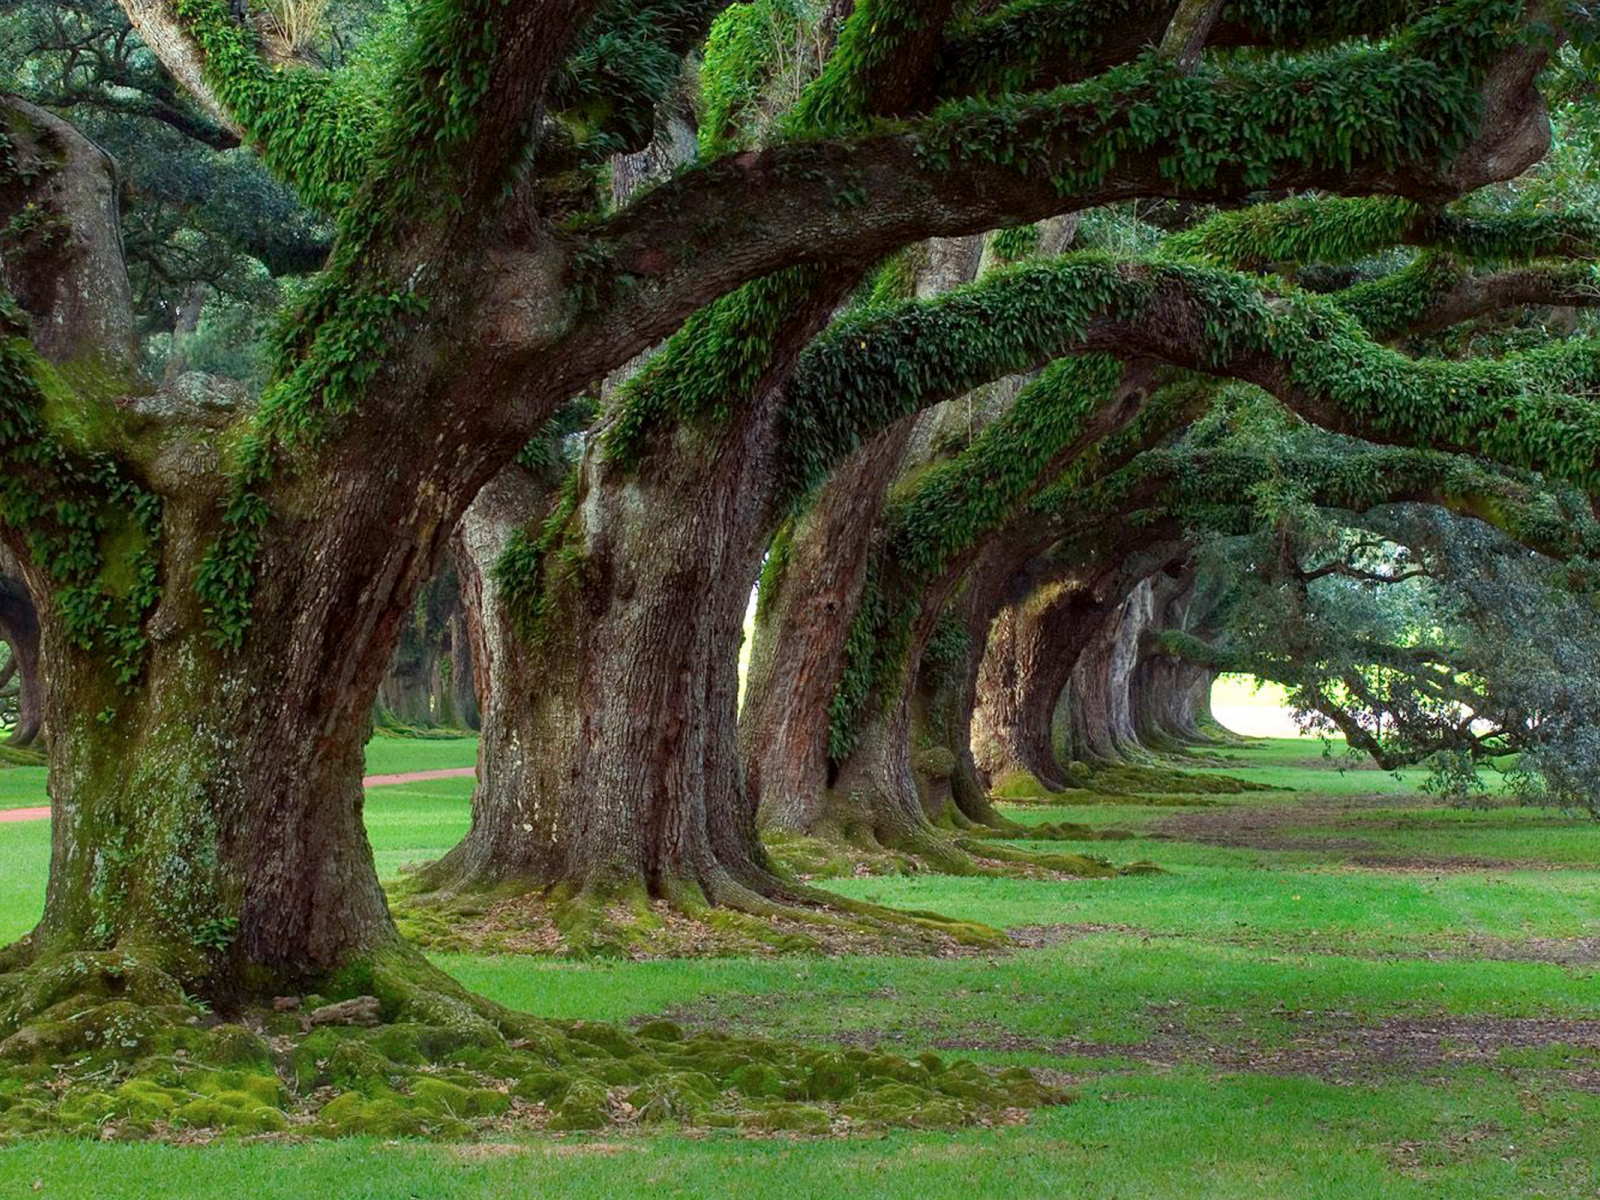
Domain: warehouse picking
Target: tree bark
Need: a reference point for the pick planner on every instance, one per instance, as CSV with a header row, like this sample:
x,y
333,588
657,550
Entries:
x,y
1033,647
509,683
208,805
610,759
808,594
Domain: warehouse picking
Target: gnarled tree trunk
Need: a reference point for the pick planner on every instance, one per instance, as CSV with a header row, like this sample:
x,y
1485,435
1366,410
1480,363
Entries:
x,y
809,591
206,783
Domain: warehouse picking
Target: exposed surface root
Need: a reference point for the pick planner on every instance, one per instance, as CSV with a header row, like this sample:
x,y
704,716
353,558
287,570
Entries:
x,y
106,1045
1046,864
1122,784
678,920
974,850
1158,781
520,918
1047,831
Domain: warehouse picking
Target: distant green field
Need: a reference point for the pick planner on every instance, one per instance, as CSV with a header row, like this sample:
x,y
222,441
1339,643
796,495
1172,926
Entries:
x,y
398,756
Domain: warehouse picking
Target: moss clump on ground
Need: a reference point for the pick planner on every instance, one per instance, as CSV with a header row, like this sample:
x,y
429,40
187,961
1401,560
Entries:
x,y
1124,783
521,919
105,1046
1128,779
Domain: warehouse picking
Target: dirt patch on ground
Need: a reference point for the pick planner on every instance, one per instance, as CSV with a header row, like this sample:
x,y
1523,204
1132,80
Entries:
x,y
1276,826
1337,1048
1332,1045
1301,825
1576,953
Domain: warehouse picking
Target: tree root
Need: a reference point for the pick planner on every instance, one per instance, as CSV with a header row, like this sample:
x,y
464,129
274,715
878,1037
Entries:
x,y
21,756
962,848
1157,780
780,918
997,826
1121,784
107,1045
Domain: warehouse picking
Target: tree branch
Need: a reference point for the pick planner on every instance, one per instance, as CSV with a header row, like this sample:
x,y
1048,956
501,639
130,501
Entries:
x,y
1185,38
852,200
1530,411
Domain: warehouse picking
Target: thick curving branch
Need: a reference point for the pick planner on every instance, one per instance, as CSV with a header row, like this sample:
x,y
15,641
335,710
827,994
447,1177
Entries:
x,y
1221,133
1530,411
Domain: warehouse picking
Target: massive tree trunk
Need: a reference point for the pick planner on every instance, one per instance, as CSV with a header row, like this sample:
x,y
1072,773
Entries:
x,y
810,588
1169,694
510,681
205,780
911,764
1099,706
610,760
1033,646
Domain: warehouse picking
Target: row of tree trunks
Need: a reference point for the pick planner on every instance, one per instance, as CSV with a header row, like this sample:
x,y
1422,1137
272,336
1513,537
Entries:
x,y
429,684
1033,650
19,629
1172,697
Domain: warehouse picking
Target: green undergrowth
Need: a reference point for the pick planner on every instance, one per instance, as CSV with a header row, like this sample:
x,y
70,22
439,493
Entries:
x,y
106,1046
20,756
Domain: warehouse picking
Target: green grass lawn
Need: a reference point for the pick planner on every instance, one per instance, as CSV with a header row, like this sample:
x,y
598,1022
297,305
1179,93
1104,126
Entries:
x,y
22,787
1193,1011
398,756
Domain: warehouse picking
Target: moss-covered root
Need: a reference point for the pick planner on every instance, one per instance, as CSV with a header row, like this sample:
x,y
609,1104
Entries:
x,y
1126,783
1125,779
519,918
105,1045
998,826
960,848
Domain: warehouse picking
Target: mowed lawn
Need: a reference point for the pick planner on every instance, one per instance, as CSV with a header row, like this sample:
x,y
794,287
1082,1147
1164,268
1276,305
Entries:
x,y
1345,990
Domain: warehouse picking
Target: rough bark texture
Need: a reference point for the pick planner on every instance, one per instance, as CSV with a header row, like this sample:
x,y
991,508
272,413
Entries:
x,y
509,681
1169,694
1033,646
209,809
811,594
1098,703
619,762
802,623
